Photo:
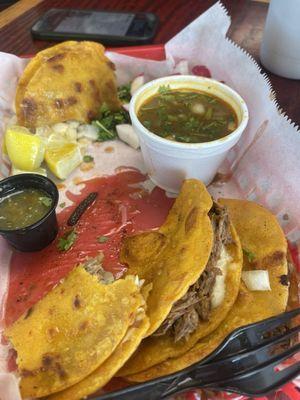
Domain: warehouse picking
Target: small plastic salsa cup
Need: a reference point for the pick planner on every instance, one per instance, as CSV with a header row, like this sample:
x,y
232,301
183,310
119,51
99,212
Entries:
x,y
38,235
168,162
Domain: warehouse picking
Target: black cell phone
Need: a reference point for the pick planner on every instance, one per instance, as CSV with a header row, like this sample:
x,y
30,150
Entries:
x,y
108,27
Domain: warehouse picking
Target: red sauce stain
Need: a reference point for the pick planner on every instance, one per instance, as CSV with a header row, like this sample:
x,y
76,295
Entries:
x,y
122,207
12,360
201,70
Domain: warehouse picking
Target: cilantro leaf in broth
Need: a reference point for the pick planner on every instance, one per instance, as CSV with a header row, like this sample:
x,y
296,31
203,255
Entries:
x,y
186,115
164,89
162,114
210,99
147,124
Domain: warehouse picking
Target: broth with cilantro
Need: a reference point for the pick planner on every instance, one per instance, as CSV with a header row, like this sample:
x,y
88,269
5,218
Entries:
x,y
23,208
188,116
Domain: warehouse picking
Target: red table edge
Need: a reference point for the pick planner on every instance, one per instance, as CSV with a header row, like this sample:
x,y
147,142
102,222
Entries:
x,y
150,52
154,52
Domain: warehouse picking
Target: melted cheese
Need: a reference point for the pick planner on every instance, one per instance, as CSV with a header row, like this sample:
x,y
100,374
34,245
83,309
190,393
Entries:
x,y
218,292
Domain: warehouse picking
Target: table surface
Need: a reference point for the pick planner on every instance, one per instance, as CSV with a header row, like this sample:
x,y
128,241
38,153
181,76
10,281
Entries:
x,y
248,17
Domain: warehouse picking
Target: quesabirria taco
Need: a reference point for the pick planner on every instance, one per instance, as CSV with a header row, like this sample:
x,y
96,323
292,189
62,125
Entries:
x,y
194,264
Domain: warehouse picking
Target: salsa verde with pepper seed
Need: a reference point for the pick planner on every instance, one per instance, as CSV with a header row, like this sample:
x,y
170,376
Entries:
x,y
23,208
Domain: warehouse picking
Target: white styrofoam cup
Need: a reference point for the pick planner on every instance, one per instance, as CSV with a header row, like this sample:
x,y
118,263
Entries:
x,y
280,46
168,162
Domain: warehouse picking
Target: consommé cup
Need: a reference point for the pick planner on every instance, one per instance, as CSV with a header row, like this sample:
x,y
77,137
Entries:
x,y
169,162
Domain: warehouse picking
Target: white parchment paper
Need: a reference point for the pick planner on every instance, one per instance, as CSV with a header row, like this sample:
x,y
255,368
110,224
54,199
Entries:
x,y
264,166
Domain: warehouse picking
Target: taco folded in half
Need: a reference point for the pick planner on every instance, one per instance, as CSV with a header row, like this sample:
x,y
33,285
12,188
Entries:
x,y
265,249
188,299
103,374
78,328
68,81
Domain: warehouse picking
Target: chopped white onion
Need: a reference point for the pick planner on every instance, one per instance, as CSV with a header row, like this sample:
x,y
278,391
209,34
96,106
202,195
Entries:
x,y
182,67
198,108
73,124
87,131
219,288
137,83
256,280
126,106
128,135
60,127
70,134
44,132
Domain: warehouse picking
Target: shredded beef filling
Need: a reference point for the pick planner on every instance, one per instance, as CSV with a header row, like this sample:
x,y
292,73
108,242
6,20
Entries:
x,y
195,305
94,267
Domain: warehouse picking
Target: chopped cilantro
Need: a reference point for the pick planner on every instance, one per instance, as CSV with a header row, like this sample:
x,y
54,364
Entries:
x,y
147,124
162,114
164,89
209,113
192,123
62,205
47,201
107,122
67,240
249,254
184,139
102,239
210,99
88,158
124,93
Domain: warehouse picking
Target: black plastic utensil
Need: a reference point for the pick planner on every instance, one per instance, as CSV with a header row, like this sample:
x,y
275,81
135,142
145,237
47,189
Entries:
x,y
38,235
244,363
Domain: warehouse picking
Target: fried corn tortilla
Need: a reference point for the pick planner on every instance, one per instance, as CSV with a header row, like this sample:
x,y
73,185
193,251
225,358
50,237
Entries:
x,y
261,234
72,331
156,349
69,81
107,370
172,258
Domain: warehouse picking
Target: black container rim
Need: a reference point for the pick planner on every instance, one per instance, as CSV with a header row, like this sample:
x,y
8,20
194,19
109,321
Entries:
x,y
54,197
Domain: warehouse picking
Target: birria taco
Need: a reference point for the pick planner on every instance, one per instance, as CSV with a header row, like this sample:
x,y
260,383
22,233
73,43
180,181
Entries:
x,y
87,323
265,249
194,264
68,81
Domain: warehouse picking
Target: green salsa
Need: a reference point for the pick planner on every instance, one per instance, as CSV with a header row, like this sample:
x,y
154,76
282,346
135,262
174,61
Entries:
x,y
186,115
23,208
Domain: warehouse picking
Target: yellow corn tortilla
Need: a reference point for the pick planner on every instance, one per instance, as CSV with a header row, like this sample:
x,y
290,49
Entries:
x,y
69,81
107,370
260,234
172,258
156,349
72,331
